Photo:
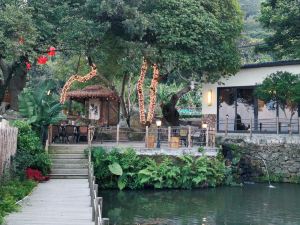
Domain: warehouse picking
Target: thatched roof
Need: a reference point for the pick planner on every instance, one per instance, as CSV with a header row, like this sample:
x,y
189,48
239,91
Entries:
x,y
93,91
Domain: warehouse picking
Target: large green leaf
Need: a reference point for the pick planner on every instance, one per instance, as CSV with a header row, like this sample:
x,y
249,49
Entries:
x,y
116,169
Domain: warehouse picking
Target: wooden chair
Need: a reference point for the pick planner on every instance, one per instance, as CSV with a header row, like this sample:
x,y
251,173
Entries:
x,y
83,132
55,133
183,134
71,132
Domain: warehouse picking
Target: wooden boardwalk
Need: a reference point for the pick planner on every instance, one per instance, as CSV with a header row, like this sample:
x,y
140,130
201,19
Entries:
x,y
59,202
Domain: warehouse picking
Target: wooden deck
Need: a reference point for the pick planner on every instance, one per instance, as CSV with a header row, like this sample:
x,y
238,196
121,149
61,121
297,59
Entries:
x,y
59,202
140,148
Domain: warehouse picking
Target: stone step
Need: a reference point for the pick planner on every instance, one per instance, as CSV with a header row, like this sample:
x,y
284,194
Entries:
x,y
70,166
66,151
68,176
70,171
69,161
68,156
68,147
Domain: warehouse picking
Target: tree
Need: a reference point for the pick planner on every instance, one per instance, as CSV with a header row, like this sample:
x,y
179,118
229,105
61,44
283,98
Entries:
x,y
189,38
282,88
282,18
196,39
17,36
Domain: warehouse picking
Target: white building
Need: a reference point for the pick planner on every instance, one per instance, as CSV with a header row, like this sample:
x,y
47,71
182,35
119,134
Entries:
x,y
231,104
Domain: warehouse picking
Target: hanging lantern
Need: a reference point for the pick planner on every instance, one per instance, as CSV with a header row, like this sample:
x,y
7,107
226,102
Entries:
x,y
52,51
28,66
42,60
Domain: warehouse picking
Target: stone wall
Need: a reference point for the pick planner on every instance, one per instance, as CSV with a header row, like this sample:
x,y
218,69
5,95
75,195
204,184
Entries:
x,y
281,154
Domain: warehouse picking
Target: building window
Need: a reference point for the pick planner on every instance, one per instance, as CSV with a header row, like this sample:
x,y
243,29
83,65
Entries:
x,y
239,106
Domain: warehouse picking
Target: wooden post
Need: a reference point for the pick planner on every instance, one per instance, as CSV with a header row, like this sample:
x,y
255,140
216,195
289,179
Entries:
x,y
277,124
89,138
190,137
214,137
96,189
298,125
105,221
169,135
118,134
250,128
146,136
226,126
206,137
95,214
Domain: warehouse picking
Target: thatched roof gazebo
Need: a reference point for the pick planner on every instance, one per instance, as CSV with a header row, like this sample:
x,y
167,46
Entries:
x,y
101,103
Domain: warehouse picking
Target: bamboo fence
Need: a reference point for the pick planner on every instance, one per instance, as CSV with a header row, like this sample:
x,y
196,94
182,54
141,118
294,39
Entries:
x,y
8,145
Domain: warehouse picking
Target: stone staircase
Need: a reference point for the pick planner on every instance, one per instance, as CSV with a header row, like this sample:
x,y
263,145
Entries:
x,y
68,161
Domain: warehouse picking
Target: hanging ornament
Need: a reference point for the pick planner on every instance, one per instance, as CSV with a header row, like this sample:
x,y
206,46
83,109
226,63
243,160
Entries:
x,y
42,60
28,65
52,51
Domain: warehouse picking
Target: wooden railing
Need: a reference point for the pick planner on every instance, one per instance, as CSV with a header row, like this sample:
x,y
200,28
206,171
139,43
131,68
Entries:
x,y
8,145
268,125
186,136
96,202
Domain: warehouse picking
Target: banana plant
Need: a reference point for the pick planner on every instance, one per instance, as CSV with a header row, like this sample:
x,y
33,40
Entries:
x,y
40,106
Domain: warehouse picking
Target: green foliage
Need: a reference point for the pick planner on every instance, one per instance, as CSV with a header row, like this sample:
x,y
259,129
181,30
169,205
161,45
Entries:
x,y
11,192
40,106
189,100
181,28
282,18
27,138
201,149
16,22
128,170
30,152
282,88
115,169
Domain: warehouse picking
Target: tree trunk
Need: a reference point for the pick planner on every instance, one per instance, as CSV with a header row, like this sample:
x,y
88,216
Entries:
x,y
17,84
14,79
170,113
124,109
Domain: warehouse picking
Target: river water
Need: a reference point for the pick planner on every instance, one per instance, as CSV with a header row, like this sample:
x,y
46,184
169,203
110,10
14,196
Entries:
x,y
248,205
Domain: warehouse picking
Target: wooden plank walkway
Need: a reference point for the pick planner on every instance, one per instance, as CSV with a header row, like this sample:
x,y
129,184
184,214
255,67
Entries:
x,y
59,202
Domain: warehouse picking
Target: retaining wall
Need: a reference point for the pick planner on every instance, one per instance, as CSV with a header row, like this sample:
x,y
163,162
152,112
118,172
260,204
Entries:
x,y
280,152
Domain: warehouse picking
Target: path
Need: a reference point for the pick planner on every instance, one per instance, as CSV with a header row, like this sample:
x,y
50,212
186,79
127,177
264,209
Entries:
x,y
59,202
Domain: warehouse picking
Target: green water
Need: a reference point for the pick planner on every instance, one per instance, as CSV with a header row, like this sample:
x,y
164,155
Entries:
x,y
252,204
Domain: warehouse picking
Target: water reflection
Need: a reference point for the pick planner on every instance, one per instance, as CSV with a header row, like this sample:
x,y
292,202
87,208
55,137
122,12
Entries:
x,y
252,204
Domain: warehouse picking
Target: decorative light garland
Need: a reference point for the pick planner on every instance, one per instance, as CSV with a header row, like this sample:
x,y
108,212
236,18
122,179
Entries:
x,y
141,92
78,78
153,90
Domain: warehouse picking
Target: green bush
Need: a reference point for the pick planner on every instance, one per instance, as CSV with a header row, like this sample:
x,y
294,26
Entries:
x,y
128,170
10,193
30,151
28,140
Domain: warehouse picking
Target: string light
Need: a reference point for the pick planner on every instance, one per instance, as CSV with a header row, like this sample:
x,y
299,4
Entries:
x,y
153,91
141,92
76,77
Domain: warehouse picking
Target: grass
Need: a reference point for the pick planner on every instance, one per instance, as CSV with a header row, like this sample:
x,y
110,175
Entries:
x,y
10,193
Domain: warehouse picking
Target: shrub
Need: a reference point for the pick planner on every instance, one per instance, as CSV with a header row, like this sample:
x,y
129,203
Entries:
x,y
11,192
28,140
30,153
128,170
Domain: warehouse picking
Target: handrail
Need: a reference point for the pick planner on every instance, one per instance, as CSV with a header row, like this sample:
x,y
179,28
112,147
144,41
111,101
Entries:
x,y
96,202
